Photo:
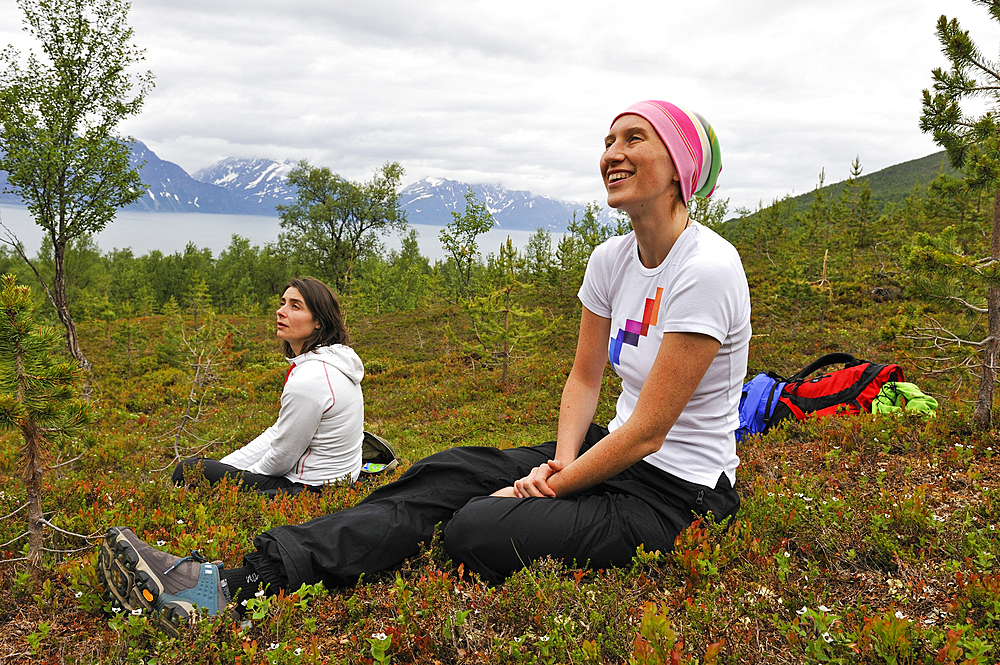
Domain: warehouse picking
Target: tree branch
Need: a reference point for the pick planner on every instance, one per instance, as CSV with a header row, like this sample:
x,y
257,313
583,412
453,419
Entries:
x,y
9,542
979,310
15,512
70,533
12,240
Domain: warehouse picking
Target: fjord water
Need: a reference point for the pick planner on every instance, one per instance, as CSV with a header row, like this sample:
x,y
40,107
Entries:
x,y
170,232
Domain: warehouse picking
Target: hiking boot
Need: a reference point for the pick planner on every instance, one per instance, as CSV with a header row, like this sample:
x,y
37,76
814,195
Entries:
x,y
171,588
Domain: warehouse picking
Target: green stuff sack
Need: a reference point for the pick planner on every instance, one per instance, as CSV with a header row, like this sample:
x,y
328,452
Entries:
x,y
898,396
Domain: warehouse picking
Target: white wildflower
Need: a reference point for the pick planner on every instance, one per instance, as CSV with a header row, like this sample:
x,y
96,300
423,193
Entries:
x,y
900,615
802,610
136,612
823,608
379,636
78,594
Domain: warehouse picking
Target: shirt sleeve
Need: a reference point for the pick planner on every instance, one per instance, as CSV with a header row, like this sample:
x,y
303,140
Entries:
x,y
245,457
298,421
704,298
594,291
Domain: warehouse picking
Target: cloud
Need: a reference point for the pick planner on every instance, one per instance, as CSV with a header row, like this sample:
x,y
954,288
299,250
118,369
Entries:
x,y
522,92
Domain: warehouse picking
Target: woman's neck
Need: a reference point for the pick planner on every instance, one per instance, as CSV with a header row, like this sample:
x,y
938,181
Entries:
x,y
655,234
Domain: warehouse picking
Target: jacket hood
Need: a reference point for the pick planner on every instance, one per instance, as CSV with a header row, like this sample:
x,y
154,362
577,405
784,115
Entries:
x,y
342,357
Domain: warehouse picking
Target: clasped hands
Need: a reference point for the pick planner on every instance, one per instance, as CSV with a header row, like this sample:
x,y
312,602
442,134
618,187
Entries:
x,y
535,483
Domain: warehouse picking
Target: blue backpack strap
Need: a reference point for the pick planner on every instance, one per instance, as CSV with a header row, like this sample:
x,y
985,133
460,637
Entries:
x,y
772,401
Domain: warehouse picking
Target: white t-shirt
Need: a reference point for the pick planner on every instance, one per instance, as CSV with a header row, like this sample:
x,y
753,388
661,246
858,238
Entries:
x,y
699,288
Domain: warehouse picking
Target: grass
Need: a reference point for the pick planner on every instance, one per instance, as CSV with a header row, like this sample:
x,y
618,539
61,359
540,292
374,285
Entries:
x,y
866,539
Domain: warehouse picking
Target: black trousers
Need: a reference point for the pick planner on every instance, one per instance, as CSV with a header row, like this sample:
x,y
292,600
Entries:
x,y
214,471
600,527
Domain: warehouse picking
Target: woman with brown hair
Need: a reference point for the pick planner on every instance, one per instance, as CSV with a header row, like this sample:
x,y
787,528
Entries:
x,y
317,437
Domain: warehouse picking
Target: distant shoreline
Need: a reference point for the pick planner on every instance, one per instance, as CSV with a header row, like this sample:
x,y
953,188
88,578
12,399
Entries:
x,y
169,232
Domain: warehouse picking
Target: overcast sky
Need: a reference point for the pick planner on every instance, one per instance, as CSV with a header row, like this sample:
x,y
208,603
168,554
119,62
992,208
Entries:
x,y
522,92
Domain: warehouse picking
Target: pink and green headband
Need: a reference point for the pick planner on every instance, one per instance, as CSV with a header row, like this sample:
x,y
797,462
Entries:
x,y
689,139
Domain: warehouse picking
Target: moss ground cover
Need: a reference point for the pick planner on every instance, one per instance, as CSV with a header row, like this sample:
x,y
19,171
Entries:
x,y
869,539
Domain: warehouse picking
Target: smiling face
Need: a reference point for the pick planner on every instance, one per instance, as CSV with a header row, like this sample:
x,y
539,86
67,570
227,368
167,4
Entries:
x,y
295,322
637,170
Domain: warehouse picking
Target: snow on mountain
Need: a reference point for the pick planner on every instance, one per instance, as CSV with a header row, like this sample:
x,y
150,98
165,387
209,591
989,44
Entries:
x,y
262,180
169,188
432,200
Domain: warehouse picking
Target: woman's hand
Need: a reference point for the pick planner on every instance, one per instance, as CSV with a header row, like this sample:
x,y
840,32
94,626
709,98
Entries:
x,y
536,482
533,484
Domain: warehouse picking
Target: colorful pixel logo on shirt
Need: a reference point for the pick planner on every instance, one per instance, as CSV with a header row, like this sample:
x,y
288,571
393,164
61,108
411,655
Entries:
x,y
635,329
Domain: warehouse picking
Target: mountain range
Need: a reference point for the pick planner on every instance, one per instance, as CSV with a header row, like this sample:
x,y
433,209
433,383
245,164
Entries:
x,y
255,186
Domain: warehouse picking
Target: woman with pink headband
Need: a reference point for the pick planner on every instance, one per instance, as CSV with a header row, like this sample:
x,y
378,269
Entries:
x,y
667,305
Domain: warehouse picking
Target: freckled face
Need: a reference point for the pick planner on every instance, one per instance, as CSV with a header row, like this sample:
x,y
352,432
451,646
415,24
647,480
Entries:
x,y
636,167
295,322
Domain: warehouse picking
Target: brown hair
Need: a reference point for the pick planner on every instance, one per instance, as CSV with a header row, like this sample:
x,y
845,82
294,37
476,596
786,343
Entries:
x,y
325,308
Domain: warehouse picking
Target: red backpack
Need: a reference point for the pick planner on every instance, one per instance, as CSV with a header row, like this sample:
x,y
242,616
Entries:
x,y
842,392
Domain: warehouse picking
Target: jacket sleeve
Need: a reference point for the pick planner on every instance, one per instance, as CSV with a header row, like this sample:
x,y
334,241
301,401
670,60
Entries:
x,y
245,457
302,407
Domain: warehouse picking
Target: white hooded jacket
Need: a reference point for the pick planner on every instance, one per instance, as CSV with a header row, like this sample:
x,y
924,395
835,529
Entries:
x,y
317,437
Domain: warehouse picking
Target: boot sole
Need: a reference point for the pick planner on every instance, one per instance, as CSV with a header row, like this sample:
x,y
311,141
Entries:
x,y
130,588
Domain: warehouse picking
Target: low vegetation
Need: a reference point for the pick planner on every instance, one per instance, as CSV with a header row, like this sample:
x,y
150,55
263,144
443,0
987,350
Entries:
x,y
869,539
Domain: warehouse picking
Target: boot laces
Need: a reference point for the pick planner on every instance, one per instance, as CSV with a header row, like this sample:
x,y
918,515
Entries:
x,y
194,556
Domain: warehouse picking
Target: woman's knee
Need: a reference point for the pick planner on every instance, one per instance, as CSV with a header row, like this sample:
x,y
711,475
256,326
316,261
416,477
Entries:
x,y
474,537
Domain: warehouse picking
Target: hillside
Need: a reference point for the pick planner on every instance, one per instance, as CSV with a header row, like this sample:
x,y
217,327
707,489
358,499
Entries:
x,y
893,183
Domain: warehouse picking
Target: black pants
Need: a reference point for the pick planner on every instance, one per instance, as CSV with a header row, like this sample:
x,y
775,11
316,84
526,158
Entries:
x,y
214,471
600,527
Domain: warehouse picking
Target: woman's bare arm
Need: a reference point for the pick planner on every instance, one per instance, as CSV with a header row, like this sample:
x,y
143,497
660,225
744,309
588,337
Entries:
x,y
578,404
680,365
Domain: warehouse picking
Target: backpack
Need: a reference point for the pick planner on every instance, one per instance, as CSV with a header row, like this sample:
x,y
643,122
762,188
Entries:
x,y
377,456
842,392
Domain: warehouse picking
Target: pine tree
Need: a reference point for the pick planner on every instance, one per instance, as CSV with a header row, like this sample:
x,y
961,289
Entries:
x,y
856,209
499,324
129,336
973,145
38,396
